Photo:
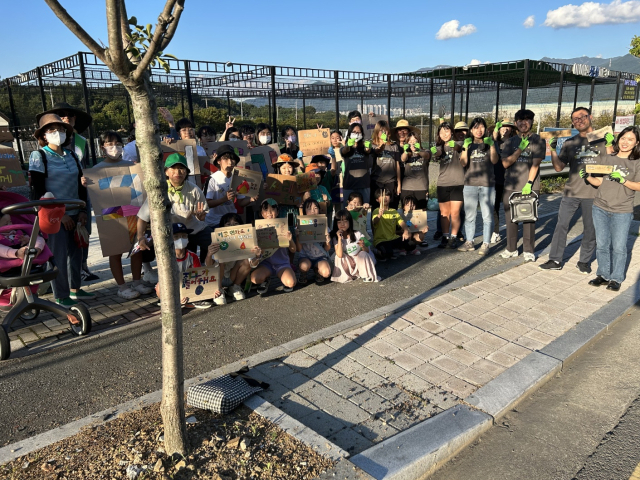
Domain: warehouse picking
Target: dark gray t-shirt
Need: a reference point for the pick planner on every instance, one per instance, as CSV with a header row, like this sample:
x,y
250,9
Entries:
x,y
578,152
385,166
416,173
517,175
357,165
479,170
612,196
451,171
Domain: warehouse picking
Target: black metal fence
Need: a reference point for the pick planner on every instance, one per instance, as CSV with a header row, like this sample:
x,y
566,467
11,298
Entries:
x,y
206,92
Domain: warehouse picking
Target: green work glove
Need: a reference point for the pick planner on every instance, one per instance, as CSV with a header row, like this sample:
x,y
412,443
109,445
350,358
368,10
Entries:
x,y
553,142
526,190
417,146
524,143
406,147
617,177
467,142
383,137
351,142
488,141
451,143
498,126
609,138
434,150
583,173
367,144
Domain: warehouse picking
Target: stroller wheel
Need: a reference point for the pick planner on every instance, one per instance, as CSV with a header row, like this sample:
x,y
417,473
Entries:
x,y
79,320
30,314
5,346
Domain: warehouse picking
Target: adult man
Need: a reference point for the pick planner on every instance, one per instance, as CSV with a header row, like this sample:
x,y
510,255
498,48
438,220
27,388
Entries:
x,y
578,194
521,157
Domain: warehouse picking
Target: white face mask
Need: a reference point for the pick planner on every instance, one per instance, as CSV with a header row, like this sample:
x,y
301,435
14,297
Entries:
x,y
356,136
113,151
265,139
181,243
234,139
292,138
56,138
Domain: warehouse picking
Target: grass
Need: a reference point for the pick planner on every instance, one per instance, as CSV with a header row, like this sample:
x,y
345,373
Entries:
x,y
553,184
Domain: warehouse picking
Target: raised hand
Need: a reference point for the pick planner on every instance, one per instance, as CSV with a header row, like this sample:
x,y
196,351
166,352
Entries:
x,y
433,150
367,144
405,147
451,143
300,154
524,143
331,152
617,177
609,138
498,126
383,137
351,142
553,142
467,142
199,211
229,123
583,173
166,114
417,145
488,141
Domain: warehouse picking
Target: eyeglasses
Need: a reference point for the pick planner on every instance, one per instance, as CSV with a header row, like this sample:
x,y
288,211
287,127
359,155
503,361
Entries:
x,y
580,119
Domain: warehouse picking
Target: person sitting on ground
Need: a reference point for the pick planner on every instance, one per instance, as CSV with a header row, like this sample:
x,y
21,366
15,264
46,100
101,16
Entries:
x,y
409,204
385,220
313,255
351,259
359,209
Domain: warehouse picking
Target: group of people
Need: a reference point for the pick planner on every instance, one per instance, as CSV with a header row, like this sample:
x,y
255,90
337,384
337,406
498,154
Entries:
x,y
368,188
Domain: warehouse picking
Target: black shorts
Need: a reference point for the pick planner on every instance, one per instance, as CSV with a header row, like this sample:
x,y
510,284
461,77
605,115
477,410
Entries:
x,y
450,194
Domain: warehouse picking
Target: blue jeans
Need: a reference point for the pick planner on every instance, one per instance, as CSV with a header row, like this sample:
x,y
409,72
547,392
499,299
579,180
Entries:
x,y
486,196
612,230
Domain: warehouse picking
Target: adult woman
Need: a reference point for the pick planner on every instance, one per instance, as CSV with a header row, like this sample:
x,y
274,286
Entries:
x,y
386,169
613,207
502,132
416,172
450,184
357,161
478,156
55,169
263,134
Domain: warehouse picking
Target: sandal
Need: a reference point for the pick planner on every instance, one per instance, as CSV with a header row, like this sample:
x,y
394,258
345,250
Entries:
x,y
303,278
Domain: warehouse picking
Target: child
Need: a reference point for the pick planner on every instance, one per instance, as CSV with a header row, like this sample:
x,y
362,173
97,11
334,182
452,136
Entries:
x,y
320,194
187,259
386,169
357,160
111,147
277,264
408,205
291,148
361,213
384,222
313,254
337,168
352,259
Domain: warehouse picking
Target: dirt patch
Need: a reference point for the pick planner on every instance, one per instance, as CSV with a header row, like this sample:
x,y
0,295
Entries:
x,y
241,445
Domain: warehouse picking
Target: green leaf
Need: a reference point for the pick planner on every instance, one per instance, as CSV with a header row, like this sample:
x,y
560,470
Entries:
x,y
148,29
133,21
170,56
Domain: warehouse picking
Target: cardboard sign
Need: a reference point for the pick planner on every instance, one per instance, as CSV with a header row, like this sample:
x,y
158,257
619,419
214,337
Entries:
x,y
314,142
188,148
283,189
369,123
556,134
272,233
200,283
246,182
235,242
312,228
360,223
116,194
306,182
263,158
416,220
623,122
599,169
599,134
11,173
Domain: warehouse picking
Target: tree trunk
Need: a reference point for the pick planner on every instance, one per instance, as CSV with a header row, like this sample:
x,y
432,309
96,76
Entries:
x,y
148,143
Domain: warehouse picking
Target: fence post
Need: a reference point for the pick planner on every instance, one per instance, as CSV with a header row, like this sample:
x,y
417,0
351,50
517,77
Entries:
x,y
228,103
187,79
497,100
14,119
43,98
274,134
431,111
593,86
559,111
466,108
337,95
575,97
615,102
85,94
525,85
389,97
304,111
453,95
274,109
362,105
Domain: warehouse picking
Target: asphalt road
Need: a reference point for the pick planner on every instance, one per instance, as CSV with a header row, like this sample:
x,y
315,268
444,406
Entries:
x,y
39,392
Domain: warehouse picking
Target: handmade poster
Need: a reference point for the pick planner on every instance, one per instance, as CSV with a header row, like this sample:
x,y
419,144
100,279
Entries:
x,y
200,283
246,182
306,182
263,158
272,233
416,220
312,228
599,169
236,242
188,148
283,189
240,146
556,133
360,222
369,123
11,173
599,134
623,121
314,142
116,195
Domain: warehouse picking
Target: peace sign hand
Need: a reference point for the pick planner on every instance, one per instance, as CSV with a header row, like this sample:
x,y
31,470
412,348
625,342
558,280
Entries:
x,y
229,124
199,211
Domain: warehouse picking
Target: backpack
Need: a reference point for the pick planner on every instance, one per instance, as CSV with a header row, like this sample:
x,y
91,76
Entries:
x,y
43,157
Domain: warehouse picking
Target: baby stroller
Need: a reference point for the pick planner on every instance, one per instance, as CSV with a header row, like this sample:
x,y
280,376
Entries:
x,y
24,302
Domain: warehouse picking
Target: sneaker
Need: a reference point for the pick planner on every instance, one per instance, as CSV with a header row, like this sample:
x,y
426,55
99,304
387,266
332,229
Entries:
x,y
615,286
81,294
66,302
443,242
596,282
319,278
484,249
151,277
508,254
495,238
263,288
550,265
143,289
87,276
221,300
128,293
424,244
584,268
437,236
402,253
302,278
466,247
460,237
452,243
237,292
529,257
206,303
414,252
288,289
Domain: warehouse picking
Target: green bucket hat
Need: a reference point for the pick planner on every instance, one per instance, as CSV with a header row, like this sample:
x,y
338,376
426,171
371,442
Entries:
x,y
176,158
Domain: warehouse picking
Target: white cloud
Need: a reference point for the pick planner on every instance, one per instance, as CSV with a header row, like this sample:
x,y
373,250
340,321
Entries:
x,y
474,62
599,55
530,21
592,13
452,29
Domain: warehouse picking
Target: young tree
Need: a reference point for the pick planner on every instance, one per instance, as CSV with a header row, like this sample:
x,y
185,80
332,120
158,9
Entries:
x,y
129,55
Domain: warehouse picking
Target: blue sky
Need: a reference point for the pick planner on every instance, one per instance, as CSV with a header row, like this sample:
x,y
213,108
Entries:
x,y
373,36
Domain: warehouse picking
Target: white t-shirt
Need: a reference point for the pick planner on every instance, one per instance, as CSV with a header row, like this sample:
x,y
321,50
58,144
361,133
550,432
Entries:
x,y
219,185
129,152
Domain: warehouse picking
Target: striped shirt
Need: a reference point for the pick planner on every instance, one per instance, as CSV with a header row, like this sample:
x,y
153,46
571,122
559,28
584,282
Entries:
x,y
62,174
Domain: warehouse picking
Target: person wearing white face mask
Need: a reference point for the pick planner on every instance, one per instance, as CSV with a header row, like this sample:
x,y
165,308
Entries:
x,y
358,160
112,147
56,169
263,134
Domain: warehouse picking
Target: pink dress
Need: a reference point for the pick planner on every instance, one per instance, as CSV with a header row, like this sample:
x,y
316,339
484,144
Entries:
x,y
355,262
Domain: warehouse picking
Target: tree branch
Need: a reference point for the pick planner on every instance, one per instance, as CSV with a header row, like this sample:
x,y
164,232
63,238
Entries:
x,y
76,29
154,45
116,48
179,7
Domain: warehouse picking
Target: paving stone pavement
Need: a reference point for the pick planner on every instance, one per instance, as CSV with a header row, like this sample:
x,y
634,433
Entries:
x,y
364,386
